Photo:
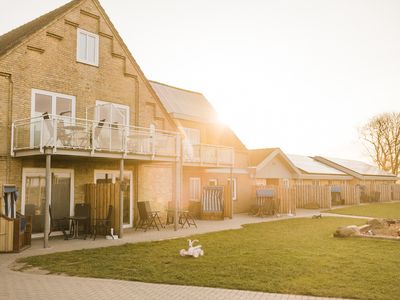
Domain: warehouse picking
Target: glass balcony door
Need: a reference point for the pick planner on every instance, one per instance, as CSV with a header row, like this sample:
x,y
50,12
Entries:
x,y
34,196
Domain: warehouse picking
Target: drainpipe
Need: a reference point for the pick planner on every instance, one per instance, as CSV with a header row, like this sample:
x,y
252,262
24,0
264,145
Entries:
x,y
47,202
121,198
9,118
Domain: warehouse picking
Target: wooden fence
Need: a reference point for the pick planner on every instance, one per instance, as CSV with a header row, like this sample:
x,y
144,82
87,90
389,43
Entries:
x,y
100,196
396,192
350,194
378,192
283,195
287,204
312,196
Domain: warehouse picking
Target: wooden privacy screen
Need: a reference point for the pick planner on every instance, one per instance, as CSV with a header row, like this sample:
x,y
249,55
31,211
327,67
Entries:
x,y
15,234
396,192
350,194
100,196
284,196
6,234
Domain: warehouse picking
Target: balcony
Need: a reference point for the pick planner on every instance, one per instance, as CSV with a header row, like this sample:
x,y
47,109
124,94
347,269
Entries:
x,y
207,155
83,137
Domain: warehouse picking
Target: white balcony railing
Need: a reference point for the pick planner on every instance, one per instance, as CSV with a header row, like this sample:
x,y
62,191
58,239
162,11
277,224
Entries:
x,y
203,154
60,132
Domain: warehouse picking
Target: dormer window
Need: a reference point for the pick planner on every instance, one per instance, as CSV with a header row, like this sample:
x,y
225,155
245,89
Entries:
x,y
87,50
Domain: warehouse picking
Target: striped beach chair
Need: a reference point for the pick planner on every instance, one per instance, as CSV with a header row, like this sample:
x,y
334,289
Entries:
x,y
212,203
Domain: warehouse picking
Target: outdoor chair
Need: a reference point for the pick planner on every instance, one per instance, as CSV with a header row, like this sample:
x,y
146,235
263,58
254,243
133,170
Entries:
x,y
63,136
212,203
148,218
103,224
82,210
61,224
98,143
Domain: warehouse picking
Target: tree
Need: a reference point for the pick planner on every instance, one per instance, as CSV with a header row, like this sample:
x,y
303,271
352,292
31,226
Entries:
x,y
381,136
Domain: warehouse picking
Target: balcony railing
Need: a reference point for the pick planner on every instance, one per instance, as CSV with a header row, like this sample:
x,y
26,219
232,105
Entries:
x,y
208,155
58,132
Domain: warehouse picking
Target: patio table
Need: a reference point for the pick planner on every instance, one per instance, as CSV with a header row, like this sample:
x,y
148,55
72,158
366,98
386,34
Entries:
x,y
75,226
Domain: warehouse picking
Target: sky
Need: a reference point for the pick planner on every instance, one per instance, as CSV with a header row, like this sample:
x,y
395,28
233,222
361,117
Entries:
x,y
300,75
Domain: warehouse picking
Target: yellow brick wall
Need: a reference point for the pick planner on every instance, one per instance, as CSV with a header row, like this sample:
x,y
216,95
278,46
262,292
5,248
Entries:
x,y
55,69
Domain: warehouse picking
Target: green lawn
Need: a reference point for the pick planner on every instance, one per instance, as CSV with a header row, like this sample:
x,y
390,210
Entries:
x,y
376,210
296,256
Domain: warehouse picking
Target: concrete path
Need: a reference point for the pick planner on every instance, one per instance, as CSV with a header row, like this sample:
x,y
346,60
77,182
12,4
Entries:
x,y
27,285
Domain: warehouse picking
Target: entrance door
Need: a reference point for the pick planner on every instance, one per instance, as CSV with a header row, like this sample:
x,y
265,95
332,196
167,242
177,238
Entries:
x,y
112,176
34,195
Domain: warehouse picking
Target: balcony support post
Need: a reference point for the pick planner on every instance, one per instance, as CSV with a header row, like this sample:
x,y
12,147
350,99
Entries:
x,y
47,201
178,181
121,198
231,192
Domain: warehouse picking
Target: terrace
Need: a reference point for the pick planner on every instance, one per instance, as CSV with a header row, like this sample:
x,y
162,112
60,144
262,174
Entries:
x,y
207,155
85,137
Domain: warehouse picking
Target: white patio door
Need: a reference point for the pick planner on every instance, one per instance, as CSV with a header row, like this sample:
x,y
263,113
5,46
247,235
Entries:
x,y
112,176
34,195
46,102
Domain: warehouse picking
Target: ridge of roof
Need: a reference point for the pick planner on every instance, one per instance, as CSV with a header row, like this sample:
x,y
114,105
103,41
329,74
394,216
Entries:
x,y
16,36
310,165
359,167
259,155
175,87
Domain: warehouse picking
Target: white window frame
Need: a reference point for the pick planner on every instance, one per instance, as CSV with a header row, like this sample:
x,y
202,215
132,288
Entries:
x,y
54,96
190,133
233,188
114,174
102,102
197,182
96,45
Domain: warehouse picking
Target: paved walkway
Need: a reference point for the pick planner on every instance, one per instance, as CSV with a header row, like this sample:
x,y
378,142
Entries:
x,y
26,285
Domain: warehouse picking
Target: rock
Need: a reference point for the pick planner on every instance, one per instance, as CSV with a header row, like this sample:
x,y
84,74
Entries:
x,y
365,228
376,223
347,231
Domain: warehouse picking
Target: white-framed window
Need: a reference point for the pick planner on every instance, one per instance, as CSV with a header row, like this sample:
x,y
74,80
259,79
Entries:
x,y
213,182
52,104
87,47
112,113
234,188
192,135
286,182
194,188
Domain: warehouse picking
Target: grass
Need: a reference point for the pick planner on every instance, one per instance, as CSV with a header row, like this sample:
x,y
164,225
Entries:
x,y
296,256
376,210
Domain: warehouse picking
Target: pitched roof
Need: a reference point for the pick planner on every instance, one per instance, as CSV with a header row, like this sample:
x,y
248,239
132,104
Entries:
x,y
359,167
185,104
311,166
257,156
14,37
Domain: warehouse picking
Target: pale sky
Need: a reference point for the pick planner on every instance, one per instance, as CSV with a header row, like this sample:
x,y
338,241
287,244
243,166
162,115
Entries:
x,y
300,75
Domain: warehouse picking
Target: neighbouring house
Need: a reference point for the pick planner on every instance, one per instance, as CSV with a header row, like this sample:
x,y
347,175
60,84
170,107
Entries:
x,y
212,154
271,166
362,173
72,95
314,172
